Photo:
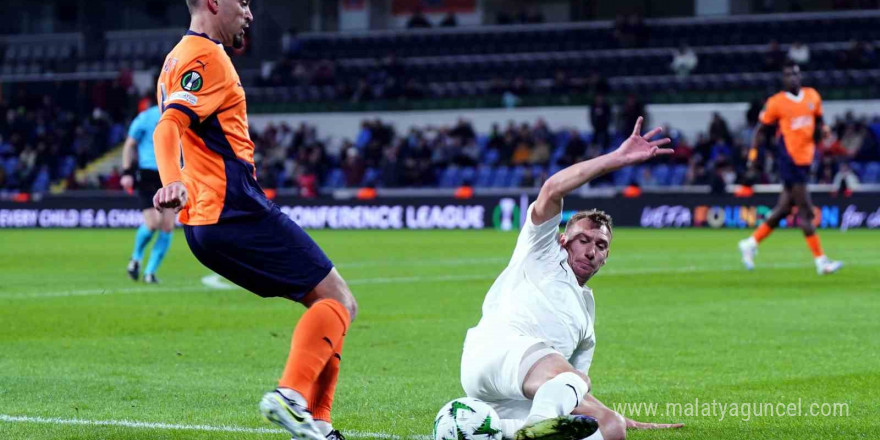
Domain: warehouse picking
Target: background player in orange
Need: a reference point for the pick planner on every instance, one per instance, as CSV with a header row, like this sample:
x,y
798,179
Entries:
x,y
205,160
797,111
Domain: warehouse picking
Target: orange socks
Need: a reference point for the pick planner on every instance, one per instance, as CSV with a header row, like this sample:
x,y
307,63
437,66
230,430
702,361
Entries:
x,y
762,232
321,401
815,246
316,339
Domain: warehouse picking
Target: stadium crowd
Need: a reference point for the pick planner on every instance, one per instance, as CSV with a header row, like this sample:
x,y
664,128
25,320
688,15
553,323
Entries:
x,y
50,130
525,154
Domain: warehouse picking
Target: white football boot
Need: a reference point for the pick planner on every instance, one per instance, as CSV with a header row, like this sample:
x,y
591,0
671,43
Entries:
x,y
289,415
748,248
825,266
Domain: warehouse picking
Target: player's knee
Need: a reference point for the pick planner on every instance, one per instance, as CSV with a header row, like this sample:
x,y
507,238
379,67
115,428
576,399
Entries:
x,y
612,425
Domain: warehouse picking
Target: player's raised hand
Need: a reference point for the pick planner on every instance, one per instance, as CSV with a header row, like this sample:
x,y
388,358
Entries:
x,y
637,148
172,196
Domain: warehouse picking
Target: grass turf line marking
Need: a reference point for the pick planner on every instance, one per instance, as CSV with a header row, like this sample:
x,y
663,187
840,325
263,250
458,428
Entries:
x,y
168,426
421,279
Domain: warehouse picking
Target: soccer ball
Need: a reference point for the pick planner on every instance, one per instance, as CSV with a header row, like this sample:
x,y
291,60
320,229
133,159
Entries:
x,y
466,419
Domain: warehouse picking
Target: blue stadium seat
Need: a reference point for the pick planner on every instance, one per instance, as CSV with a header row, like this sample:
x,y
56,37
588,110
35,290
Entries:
x,y
662,174
679,174
872,172
623,176
335,178
467,175
491,156
502,177
450,177
858,168
484,176
371,177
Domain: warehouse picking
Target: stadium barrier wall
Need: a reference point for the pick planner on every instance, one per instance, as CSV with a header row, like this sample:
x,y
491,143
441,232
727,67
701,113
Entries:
x,y
861,210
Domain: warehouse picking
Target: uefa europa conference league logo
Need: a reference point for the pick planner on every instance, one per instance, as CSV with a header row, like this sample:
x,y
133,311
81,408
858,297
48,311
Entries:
x,y
191,81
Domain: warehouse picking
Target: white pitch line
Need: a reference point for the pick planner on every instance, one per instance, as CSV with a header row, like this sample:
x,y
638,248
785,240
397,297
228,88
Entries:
x,y
215,281
170,426
218,281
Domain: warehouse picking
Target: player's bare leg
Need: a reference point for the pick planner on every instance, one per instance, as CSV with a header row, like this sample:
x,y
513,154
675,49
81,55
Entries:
x,y
556,389
304,397
749,247
610,425
804,204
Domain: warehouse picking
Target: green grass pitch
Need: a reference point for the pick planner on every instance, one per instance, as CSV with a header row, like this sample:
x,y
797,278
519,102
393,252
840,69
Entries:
x,y
677,320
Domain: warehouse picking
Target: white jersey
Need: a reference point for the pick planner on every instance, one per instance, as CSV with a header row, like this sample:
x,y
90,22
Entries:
x,y
537,295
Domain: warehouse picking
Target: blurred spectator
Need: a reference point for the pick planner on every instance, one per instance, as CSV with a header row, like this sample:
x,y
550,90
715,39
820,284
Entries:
x,y
799,53
860,55
773,57
630,31
629,114
418,20
597,84
575,149
449,20
684,60
718,130
290,43
845,179
600,119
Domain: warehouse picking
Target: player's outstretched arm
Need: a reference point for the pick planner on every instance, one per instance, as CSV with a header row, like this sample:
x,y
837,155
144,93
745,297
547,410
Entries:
x,y
166,141
758,135
128,153
636,149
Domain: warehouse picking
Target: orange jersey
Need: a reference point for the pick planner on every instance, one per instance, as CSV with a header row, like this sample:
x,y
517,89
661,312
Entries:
x,y
217,155
796,116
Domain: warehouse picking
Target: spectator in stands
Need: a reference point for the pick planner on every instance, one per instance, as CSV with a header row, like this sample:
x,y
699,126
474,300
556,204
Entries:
x,y
773,57
353,166
449,20
799,53
575,149
600,119
391,168
631,111
684,61
860,55
718,130
597,84
540,154
113,181
418,20
561,83
845,179
463,130
519,87
290,43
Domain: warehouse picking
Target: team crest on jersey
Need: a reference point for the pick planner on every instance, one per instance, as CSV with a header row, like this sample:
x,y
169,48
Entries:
x,y
811,106
191,81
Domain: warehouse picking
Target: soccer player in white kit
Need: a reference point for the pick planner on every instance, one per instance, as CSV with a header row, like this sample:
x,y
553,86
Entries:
x,y
530,354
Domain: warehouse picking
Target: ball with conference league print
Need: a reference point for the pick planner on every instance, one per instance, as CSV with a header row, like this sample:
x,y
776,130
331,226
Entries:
x,y
466,419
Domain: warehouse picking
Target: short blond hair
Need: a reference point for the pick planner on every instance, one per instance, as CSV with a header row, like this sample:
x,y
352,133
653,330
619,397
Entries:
x,y
599,218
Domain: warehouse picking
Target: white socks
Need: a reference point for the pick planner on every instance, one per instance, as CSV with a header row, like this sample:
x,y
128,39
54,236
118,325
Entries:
x,y
293,396
324,427
752,242
557,397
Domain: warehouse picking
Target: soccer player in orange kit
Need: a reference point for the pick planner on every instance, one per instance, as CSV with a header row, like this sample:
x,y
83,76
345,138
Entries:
x,y
798,113
205,161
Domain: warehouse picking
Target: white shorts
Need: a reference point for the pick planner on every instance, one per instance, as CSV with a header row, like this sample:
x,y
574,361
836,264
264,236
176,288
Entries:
x,y
493,367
